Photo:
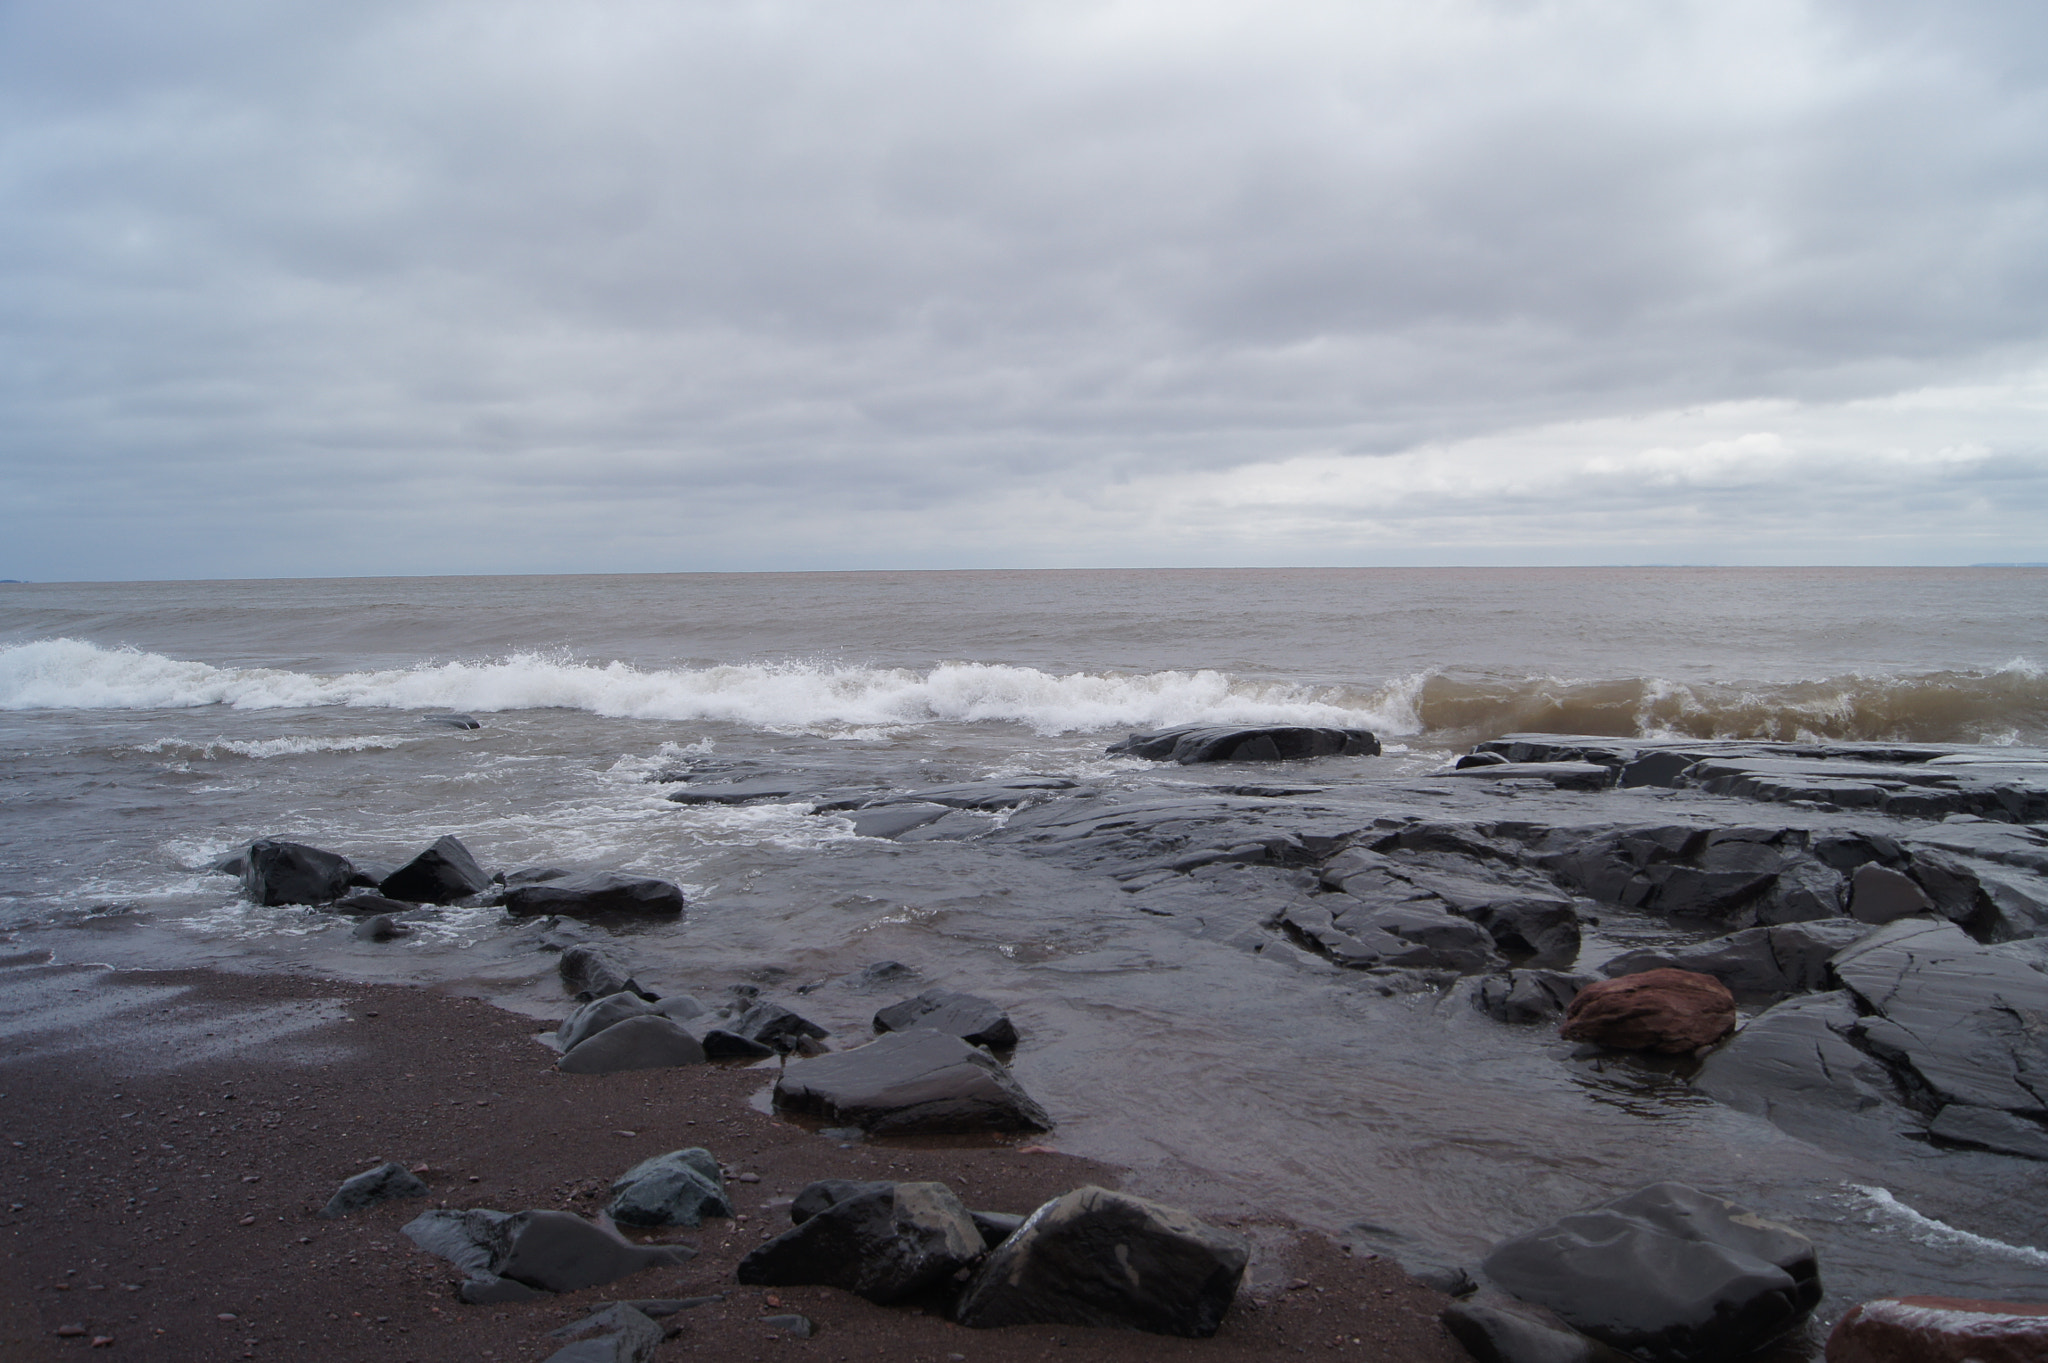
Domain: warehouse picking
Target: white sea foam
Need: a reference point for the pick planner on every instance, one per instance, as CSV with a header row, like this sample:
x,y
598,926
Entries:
x,y
297,746
867,701
1928,1231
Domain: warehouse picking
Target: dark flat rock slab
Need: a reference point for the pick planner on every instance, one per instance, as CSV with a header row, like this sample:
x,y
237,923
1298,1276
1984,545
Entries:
x,y
596,892
1667,1272
970,1017
1247,743
740,792
910,1083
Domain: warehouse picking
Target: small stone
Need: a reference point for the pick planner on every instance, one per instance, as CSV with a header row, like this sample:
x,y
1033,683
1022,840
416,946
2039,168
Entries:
x,y
246,1221
102,1341
70,1331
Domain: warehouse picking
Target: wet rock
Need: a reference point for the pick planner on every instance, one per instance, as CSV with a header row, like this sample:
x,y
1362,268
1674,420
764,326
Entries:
x,y
739,792
883,974
647,1042
1959,1022
277,872
816,1197
1419,1261
617,1334
535,875
1797,1065
1672,1011
442,874
598,1014
590,970
893,821
679,1188
366,903
1940,1330
1211,743
596,892
561,1252
1878,894
230,863
1985,1128
1767,962
792,1323
378,927
996,1227
1099,1258
989,796
1479,759
471,1238
384,1183
1414,935
1668,1273
452,720
884,1243
968,1016
910,1082
1562,775
772,1025
1526,996
1502,1330
681,1007
720,1044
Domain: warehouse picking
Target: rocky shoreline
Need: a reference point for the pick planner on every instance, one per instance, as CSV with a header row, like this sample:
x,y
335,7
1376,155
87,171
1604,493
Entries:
x,y
1852,944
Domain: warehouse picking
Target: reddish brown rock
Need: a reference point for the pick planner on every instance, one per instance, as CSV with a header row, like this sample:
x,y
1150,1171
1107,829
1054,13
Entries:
x,y
1941,1330
1674,1011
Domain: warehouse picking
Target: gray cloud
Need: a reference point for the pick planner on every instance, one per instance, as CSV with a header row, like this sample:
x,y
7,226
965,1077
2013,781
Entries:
x,y
625,285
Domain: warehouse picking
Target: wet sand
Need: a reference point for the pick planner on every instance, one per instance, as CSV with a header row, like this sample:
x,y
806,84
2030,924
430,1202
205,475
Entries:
x,y
169,1136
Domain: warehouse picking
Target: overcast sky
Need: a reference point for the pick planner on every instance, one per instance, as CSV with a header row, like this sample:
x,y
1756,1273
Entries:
x,y
646,285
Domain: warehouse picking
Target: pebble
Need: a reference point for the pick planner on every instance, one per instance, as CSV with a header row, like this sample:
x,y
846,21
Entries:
x,y
70,1331
247,1221
750,1178
102,1341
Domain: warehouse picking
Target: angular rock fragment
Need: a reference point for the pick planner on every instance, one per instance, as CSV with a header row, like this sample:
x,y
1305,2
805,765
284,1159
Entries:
x,y
720,1044
1099,1258
907,1083
968,1016
1526,996
382,1184
1796,1065
772,1025
1940,1330
883,1243
276,872
442,874
1878,894
1766,962
646,1042
1508,1331
596,892
813,1198
1562,775
679,1188
378,927
1417,934
1960,1022
1211,743
1672,1011
1668,1273
617,1334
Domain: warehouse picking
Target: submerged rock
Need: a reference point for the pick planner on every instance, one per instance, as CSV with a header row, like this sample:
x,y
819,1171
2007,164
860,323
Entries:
x,y
909,1083
968,1016
1667,1273
883,1242
1672,1011
596,892
1099,1258
1211,743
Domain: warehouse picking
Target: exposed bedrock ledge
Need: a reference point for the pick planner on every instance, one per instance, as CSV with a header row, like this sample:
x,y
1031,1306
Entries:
x,y
2008,785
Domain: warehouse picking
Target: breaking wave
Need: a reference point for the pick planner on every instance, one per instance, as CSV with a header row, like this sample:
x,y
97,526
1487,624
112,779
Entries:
x,y
2005,705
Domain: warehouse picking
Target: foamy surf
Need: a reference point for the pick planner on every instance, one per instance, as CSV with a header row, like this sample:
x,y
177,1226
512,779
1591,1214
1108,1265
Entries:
x,y
71,674
1886,1210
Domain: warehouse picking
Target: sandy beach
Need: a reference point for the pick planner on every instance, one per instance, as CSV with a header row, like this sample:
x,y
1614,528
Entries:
x,y
169,1137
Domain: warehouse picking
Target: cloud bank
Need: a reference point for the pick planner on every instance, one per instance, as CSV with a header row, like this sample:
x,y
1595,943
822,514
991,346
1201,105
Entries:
x,y
618,285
